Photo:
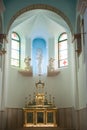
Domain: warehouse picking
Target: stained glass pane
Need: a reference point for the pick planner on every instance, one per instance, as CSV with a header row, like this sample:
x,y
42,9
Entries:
x,y
63,55
63,50
15,45
63,37
15,36
15,49
15,54
14,62
63,45
63,63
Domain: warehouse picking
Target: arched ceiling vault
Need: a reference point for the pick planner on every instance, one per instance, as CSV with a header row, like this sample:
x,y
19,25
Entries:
x,y
30,20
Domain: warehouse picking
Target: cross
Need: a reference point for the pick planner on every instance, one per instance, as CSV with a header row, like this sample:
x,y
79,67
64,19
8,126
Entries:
x,y
64,62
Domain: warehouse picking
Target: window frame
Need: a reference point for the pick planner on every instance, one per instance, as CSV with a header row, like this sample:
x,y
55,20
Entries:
x,y
60,41
17,50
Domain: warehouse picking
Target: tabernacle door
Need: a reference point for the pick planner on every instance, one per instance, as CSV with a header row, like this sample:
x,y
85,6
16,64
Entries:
x,y
28,118
51,117
40,117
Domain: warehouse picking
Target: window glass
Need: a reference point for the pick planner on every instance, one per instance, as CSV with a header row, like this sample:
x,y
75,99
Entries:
x,y
63,62
15,36
63,45
62,50
14,62
63,36
15,54
15,45
15,49
63,54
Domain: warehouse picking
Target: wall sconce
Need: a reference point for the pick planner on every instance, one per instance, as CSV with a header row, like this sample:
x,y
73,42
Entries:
x,y
76,36
79,46
79,42
3,40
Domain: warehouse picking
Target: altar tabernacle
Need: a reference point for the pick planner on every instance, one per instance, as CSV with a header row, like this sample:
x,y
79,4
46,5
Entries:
x,y
40,111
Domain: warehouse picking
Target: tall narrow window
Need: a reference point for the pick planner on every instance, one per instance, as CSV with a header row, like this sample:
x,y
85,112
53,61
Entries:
x,y
62,50
15,49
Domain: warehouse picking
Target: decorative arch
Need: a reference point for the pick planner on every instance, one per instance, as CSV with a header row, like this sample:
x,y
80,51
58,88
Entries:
x,y
40,6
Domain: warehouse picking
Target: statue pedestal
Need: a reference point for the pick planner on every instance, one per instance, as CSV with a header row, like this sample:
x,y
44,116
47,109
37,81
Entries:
x,y
52,73
26,72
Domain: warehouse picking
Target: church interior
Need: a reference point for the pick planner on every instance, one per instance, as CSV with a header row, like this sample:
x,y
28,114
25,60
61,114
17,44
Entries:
x,y
43,65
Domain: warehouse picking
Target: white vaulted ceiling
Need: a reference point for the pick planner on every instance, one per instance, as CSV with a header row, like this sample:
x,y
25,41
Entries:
x,y
39,22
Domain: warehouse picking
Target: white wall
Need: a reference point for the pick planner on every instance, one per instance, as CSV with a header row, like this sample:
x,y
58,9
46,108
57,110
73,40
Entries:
x,y
0,87
82,68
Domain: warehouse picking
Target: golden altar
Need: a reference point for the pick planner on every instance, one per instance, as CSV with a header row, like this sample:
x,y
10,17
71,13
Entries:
x,y
39,112
42,117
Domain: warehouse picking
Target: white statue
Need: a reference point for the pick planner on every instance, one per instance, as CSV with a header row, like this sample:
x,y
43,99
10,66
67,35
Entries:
x,y
39,59
27,63
51,64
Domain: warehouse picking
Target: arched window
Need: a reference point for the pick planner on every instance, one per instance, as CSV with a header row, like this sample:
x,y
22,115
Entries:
x,y
62,50
15,49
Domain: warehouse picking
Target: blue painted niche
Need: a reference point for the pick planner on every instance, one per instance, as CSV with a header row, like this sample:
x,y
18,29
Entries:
x,y
39,56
